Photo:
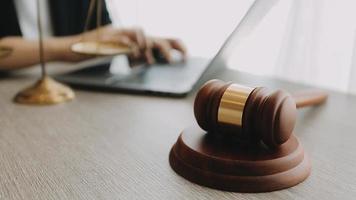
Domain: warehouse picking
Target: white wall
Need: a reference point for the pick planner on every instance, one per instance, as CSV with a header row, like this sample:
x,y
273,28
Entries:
x,y
299,40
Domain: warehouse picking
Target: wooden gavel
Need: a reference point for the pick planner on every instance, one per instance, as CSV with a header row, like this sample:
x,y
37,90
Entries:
x,y
251,114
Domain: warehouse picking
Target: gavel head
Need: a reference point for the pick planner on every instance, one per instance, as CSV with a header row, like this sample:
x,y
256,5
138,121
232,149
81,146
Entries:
x,y
251,114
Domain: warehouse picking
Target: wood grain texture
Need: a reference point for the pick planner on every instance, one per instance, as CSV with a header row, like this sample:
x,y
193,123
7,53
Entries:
x,y
116,146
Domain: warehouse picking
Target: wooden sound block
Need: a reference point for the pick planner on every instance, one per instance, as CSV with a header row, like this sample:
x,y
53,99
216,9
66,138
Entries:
x,y
224,164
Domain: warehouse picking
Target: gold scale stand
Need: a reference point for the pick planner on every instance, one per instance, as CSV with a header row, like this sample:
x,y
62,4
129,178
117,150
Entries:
x,y
47,91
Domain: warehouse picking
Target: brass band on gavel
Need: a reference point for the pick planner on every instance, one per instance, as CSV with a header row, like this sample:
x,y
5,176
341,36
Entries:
x,y
232,104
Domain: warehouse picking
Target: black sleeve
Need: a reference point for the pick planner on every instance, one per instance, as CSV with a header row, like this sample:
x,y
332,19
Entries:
x,y
9,24
68,16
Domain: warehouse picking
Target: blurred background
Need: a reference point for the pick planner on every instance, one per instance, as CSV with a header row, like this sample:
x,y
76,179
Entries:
x,y
312,42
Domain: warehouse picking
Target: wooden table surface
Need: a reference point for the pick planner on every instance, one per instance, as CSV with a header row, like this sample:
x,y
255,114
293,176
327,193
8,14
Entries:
x,y
115,146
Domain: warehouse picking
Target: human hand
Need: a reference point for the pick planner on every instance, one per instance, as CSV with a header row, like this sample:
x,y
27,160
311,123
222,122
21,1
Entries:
x,y
145,48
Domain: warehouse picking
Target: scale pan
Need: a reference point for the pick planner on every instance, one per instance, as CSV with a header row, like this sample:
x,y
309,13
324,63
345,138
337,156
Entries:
x,y
101,48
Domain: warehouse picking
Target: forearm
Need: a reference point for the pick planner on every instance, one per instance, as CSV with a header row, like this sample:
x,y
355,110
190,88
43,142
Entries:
x,y
25,52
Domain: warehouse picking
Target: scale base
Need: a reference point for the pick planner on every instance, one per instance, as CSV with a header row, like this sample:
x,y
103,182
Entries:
x,y
45,91
100,48
209,161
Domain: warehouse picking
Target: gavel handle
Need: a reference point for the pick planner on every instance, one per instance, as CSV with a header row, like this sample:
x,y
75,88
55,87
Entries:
x,y
311,97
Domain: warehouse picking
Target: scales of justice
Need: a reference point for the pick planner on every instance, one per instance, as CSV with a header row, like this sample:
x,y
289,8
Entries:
x,y
46,90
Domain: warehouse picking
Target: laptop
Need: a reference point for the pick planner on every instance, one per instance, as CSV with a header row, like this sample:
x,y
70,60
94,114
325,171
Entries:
x,y
176,79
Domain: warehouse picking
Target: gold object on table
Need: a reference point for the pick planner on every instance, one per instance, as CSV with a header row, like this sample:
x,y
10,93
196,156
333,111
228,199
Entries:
x,y
45,91
5,51
97,47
